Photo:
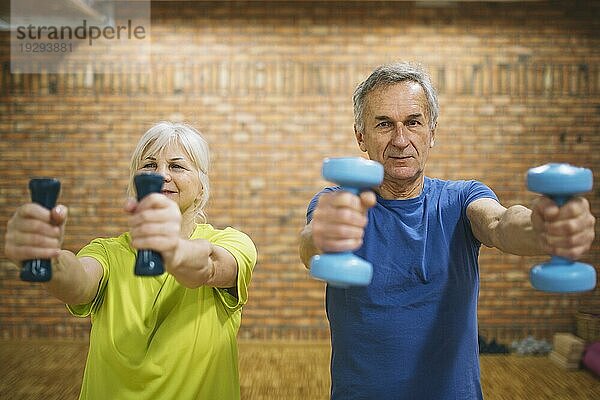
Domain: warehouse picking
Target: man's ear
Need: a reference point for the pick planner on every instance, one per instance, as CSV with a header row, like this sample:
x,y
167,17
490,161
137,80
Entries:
x,y
432,140
360,140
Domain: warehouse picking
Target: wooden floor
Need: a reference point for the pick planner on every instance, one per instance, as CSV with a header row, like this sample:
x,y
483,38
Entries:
x,y
52,370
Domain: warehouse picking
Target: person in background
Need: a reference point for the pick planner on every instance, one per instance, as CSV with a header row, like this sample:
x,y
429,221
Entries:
x,y
412,333
171,336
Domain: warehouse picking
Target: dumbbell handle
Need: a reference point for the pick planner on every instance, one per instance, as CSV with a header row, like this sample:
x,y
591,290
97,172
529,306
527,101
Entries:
x,y
148,262
560,201
353,190
44,191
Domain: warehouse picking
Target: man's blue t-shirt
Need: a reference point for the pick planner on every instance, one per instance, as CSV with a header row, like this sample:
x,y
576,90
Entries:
x,y
412,333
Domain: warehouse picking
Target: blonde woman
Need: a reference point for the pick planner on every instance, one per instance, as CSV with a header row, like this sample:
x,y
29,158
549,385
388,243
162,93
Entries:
x,y
171,336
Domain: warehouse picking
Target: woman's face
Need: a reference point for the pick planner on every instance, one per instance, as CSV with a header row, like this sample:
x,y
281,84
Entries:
x,y
181,180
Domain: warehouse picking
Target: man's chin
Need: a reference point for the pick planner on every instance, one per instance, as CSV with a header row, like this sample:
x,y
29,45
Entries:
x,y
402,173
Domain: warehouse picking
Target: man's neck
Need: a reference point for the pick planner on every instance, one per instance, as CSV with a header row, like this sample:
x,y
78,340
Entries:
x,y
401,189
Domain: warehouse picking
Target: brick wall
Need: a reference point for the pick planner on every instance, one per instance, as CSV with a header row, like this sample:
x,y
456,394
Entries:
x,y
270,85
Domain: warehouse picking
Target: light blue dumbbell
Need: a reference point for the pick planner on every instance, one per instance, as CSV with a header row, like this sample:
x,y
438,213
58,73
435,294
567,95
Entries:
x,y
353,174
560,182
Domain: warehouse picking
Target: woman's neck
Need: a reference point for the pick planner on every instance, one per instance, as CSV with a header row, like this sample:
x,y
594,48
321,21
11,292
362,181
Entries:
x,y
188,223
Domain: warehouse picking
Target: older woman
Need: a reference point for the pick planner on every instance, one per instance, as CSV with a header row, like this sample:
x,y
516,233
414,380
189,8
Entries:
x,y
171,336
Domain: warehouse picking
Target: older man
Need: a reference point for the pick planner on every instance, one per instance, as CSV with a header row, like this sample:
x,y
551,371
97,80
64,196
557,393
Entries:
x,y
412,333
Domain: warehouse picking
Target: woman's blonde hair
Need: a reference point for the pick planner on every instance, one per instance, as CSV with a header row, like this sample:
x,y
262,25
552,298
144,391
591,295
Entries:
x,y
191,140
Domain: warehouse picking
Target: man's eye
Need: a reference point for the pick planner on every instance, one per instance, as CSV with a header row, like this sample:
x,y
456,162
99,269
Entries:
x,y
384,124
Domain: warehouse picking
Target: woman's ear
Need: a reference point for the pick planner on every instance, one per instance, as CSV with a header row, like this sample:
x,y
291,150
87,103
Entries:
x,y
199,196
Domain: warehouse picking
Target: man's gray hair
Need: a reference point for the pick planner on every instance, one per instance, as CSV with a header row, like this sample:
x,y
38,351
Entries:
x,y
390,74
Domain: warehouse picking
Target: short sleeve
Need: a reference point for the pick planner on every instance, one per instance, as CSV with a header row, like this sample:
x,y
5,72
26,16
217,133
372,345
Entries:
x,y
244,251
313,203
475,190
97,251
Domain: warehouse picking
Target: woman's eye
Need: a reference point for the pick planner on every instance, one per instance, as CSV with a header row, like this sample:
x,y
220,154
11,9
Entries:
x,y
176,166
149,165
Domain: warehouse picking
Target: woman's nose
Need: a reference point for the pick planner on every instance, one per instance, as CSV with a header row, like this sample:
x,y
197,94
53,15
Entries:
x,y
164,171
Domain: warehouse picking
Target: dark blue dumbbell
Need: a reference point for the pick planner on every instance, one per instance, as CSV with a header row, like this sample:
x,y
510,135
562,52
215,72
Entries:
x,y
353,174
560,182
148,262
44,191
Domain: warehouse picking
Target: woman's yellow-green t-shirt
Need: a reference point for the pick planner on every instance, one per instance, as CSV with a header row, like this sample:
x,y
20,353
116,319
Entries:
x,y
152,338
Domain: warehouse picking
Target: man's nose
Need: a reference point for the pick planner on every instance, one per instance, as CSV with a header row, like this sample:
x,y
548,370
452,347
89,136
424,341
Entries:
x,y
400,139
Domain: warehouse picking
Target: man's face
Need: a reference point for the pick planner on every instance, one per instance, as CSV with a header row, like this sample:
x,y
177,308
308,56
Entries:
x,y
396,130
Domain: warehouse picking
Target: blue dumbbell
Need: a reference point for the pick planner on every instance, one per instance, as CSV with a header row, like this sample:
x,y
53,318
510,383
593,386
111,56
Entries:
x,y
353,174
560,182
